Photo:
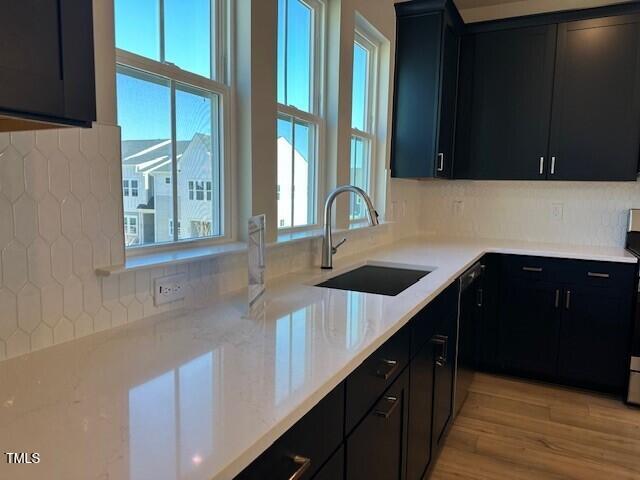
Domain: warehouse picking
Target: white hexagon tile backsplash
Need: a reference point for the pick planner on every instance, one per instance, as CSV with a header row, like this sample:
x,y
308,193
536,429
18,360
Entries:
x,y
60,218
593,213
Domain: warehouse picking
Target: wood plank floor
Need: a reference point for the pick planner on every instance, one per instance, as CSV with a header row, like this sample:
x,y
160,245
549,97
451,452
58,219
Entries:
x,y
514,429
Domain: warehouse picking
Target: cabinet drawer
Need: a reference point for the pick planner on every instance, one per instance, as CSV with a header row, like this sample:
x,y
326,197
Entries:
x,y
365,385
534,268
306,445
602,274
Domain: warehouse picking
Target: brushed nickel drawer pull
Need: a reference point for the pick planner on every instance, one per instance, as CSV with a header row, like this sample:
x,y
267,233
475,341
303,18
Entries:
x,y
387,368
532,269
557,298
304,464
392,403
568,302
598,275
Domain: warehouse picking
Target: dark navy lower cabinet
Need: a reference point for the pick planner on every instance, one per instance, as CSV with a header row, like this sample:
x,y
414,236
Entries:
x,y
565,321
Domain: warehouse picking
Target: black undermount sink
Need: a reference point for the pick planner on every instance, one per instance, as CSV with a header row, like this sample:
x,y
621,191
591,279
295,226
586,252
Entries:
x,y
376,279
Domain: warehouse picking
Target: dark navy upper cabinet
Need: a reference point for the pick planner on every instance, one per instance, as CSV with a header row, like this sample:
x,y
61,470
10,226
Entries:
x,y
46,64
595,131
551,97
508,103
426,84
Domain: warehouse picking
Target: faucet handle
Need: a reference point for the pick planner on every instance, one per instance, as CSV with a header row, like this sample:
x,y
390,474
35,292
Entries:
x,y
335,248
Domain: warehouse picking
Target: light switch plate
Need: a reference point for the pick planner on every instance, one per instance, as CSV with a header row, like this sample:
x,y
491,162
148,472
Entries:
x,y
169,289
458,208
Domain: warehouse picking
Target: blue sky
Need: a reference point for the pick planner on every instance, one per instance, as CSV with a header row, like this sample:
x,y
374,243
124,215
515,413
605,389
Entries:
x,y
359,91
144,103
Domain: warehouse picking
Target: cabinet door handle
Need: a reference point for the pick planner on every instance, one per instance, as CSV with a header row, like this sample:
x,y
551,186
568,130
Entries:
x,y
557,298
532,269
541,165
391,402
553,165
598,275
303,465
441,162
441,341
386,369
480,299
568,300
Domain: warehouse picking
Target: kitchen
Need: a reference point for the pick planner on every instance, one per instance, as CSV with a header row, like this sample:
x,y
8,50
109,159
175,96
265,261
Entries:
x,y
465,308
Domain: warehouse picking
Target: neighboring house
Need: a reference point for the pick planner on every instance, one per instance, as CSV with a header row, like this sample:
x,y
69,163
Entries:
x,y
148,190
303,211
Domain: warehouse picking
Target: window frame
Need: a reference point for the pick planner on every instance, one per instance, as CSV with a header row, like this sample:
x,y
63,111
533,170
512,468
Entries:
x,y
316,117
372,45
219,85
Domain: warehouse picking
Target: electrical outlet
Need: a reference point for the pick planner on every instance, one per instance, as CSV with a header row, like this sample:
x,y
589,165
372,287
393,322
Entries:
x,y
458,208
169,289
557,212
394,210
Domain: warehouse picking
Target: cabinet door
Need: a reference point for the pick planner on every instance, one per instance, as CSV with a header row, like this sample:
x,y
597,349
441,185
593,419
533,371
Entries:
x,y
376,449
511,111
594,341
420,409
46,60
31,57
417,92
447,122
530,326
595,132
445,355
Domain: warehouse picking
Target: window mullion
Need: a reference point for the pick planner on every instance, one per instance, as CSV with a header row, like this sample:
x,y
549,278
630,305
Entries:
x,y
174,163
161,29
285,78
293,169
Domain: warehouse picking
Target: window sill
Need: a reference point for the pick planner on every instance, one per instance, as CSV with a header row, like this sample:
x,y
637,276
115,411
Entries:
x,y
193,254
172,257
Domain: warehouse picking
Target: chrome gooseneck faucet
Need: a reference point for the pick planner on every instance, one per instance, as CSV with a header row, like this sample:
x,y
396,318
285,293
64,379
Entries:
x,y
328,249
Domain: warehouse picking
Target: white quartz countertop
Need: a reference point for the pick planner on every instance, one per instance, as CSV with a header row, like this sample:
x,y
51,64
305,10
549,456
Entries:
x,y
200,394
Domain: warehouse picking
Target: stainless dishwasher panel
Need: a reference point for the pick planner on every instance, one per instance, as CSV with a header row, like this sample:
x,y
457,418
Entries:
x,y
470,308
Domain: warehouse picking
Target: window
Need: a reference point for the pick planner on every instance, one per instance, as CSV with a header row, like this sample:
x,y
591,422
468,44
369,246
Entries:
x,y
131,229
299,123
130,188
199,189
200,228
365,59
171,226
170,99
